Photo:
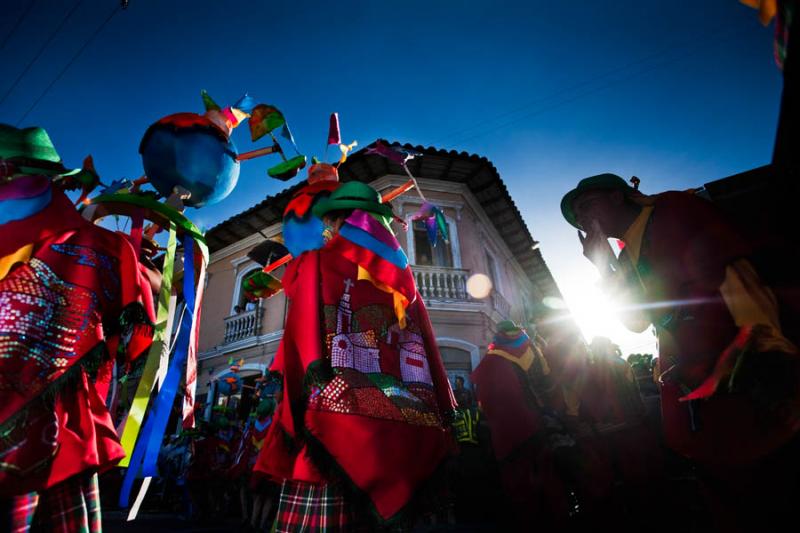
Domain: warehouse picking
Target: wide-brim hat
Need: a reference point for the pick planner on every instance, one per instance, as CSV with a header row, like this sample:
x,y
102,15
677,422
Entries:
x,y
31,151
507,326
593,183
353,195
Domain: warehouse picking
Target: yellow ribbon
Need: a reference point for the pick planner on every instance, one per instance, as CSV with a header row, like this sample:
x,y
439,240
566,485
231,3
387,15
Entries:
x,y
161,338
400,302
22,255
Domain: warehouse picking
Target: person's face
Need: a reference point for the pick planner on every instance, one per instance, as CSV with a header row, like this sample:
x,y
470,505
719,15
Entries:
x,y
597,209
335,224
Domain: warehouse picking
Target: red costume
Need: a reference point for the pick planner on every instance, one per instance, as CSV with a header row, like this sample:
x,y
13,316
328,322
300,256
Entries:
x,y
72,306
364,398
684,269
515,418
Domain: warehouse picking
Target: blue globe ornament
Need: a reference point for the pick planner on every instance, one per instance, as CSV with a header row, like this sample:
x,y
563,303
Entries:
x,y
189,150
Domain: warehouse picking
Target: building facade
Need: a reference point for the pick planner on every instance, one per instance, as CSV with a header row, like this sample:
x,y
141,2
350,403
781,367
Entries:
x,y
487,236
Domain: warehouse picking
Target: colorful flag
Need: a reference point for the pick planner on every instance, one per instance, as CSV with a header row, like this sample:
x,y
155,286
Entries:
x,y
397,155
246,103
434,220
334,136
209,102
286,133
264,119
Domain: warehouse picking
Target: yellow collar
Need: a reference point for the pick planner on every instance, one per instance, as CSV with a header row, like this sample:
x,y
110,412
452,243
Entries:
x,y
524,361
634,234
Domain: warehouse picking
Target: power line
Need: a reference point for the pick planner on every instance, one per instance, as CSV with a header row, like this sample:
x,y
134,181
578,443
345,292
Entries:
x,y
456,136
17,24
41,51
69,64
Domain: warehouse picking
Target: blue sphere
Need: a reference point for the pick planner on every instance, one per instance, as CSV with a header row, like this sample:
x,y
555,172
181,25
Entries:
x,y
187,149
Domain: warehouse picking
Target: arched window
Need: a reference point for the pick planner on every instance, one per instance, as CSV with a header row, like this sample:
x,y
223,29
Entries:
x,y
420,251
239,301
491,266
428,255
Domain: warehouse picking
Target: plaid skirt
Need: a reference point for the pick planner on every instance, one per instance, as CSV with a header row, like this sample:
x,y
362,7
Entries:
x,y
72,506
311,508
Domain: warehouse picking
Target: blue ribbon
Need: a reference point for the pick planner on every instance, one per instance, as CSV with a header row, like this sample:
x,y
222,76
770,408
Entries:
x,y
145,454
365,240
19,208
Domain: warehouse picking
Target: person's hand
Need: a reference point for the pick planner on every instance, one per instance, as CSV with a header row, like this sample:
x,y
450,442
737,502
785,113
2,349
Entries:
x,y
597,250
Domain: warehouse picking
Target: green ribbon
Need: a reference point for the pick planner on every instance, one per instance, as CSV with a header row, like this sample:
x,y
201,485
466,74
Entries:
x,y
160,343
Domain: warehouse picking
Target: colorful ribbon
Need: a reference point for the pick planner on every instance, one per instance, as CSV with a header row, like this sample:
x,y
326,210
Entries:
x,y
191,360
161,341
145,454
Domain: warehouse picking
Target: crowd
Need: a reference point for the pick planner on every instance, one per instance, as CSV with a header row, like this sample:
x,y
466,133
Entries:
x,y
551,433
356,426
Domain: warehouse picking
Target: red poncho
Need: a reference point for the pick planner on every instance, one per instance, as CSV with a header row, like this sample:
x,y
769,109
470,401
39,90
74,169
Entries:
x,y
77,296
362,397
505,394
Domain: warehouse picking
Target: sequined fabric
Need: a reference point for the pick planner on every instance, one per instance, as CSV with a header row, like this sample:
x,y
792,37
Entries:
x,y
66,311
379,370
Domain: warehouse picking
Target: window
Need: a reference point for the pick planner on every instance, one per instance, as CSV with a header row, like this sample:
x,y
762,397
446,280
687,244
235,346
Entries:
x,y
457,363
242,303
491,265
427,255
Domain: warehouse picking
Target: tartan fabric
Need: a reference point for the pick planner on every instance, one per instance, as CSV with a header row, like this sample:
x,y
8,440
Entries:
x,y
310,508
72,506
19,516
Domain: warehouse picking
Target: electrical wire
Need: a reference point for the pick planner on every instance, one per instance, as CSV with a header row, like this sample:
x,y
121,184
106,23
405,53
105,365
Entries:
x,y
41,50
69,64
17,25
590,86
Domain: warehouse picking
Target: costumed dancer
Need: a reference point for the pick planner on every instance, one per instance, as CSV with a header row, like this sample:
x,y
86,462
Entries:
x,y
244,460
362,423
72,302
535,494
729,374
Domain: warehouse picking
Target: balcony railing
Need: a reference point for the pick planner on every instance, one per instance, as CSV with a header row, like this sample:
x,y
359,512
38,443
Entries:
x,y
243,325
441,283
501,305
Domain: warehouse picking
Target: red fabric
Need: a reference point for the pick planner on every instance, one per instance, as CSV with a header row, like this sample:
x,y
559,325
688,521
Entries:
x,y
682,263
76,280
507,404
70,506
302,200
313,508
401,280
383,453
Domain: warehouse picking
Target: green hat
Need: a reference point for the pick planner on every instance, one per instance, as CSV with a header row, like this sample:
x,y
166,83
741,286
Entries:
x,y
507,326
593,183
353,195
31,151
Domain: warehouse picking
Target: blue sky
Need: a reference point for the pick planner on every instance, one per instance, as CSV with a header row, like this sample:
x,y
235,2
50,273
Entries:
x,y
676,92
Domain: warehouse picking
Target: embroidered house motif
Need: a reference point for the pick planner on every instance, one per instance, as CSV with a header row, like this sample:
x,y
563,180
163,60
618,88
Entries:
x,y
413,360
353,349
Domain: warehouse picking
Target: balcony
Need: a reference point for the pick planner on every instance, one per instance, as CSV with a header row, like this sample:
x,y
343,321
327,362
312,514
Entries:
x,y
501,305
243,325
441,283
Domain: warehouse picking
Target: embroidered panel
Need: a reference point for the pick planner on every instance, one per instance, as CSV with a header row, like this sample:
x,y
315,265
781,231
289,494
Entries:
x,y
377,369
44,323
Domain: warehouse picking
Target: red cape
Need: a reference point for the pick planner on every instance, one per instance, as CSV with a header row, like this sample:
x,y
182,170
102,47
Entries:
x,y
363,397
80,289
508,405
